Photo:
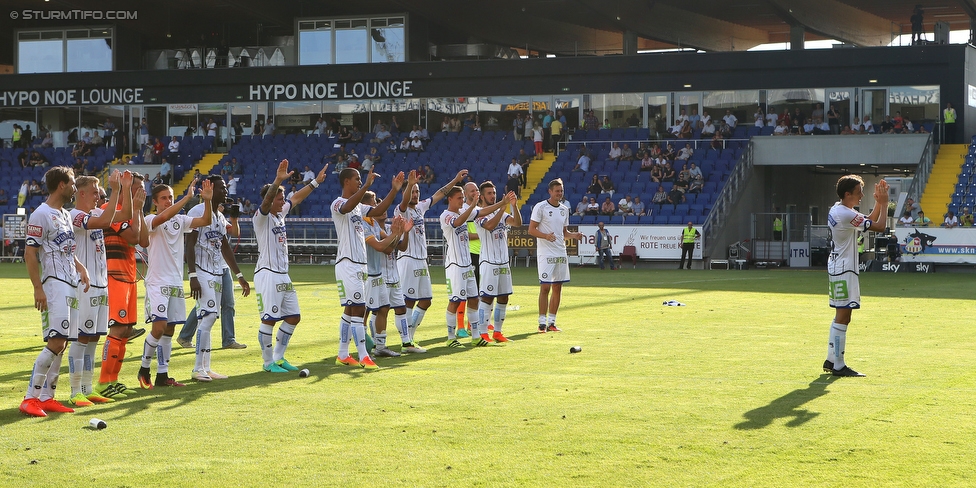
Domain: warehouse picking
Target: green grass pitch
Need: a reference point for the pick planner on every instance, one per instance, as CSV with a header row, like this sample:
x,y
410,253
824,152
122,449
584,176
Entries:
x,y
726,391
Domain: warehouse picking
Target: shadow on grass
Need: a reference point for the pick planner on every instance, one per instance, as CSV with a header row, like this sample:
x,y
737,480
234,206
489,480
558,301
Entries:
x,y
788,406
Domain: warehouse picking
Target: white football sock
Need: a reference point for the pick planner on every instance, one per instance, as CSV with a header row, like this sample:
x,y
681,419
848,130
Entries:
x,y
484,313
500,310
204,342
149,350
76,363
285,332
418,317
265,332
344,332
380,339
39,375
165,352
400,320
451,318
88,366
478,326
838,336
358,330
552,319
51,384
542,320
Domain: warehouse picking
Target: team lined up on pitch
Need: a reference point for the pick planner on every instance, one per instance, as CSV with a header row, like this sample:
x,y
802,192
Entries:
x,y
82,265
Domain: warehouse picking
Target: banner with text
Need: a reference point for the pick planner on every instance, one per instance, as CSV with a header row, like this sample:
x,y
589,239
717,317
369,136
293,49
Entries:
x,y
651,242
937,244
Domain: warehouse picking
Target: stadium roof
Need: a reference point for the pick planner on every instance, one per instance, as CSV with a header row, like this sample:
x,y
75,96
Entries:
x,y
561,27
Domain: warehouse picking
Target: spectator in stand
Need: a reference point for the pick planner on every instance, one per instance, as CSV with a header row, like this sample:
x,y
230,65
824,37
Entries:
x,y
157,180
922,220
377,127
913,207
537,138
950,220
595,186
886,126
35,188
158,151
808,127
818,112
965,218
518,127
614,152
416,145
606,186
446,124
696,183
686,152
867,126
657,173
528,127
695,119
429,175
638,206
166,172
906,219
583,163
833,120
174,151
374,157
730,119
415,132
705,119
694,171
781,129
556,129
899,123
592,208
607,208
846,131
625,206
772,120
17,138
455,124
355,135
581,206
37,160
269,127
344,136
48,140
515,171
820,127
758,120
660,197
23,159
686,131
626,153
404,145
708,129
424,135
382,135
394,125
96,140
668,173
677,195
856,126
647,162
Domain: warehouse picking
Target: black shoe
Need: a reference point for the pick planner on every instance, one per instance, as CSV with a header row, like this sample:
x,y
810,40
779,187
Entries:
x,y
136,333
542,329
847,371
828,366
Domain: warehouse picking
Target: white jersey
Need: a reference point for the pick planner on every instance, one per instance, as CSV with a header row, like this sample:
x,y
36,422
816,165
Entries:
x,y
374,258
91,247
844,224
166,250
349,229
456,250
269,230
50,229
551,219
417,245
494,244
207,251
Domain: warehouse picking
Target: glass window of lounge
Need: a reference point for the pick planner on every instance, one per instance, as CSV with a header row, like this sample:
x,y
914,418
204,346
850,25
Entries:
x,y
920,103
93,118
315,42
62,122
499,113
569,106
20,116
406,112
351,41
388,42
217,112
689,102
447,113
71,50
619,109
840,99
657,113
297,117
349,114
796,101
743,104
182,120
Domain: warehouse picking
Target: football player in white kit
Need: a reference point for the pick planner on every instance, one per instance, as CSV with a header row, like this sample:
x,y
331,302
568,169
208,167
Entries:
x,y
277,300
165,301
207,252
548,225
412,263
89,222
383,283
844,225
458,271
55,273
350,268
496,274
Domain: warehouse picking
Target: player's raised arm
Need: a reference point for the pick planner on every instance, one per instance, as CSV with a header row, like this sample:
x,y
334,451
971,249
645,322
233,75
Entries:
x,y
877,216
383,206
107,217
280,176
411,181
302,194
516,218
357,197
442,191
206,194
490,223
